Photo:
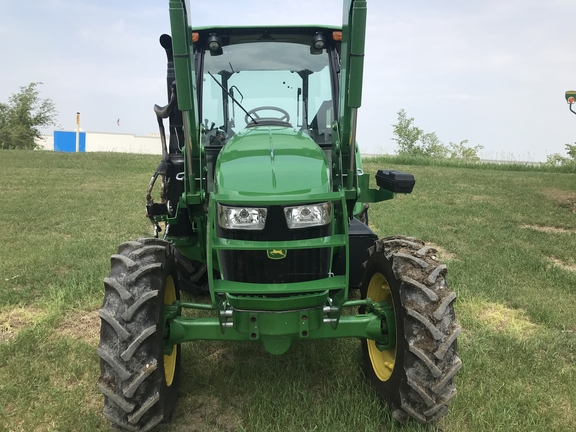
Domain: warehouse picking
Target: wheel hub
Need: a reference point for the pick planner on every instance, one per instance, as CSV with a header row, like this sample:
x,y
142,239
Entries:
x,y
383,360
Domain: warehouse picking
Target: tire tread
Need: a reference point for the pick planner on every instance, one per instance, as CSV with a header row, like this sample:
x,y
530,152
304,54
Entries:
x,y
132,379
429,361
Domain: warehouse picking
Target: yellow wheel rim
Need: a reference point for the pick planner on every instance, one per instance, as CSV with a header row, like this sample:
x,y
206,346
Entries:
x,y
382,361
170,360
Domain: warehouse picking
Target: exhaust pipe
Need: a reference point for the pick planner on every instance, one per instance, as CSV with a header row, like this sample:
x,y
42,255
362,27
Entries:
x,y
176,129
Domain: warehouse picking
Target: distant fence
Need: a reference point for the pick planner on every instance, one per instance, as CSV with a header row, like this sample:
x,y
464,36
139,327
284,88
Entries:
x,y
488,161
510,162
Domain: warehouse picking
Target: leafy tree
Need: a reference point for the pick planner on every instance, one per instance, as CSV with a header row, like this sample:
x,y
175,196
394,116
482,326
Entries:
x,y
413,141
23,116
407,135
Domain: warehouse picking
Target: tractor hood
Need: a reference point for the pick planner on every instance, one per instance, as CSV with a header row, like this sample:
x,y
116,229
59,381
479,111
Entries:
x,y
271,160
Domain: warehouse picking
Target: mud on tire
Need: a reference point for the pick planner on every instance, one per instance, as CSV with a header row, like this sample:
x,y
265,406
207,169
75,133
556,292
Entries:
x,y
416,378
138,381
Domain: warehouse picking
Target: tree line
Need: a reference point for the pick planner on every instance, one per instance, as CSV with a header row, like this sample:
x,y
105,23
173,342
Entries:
x,y
413,141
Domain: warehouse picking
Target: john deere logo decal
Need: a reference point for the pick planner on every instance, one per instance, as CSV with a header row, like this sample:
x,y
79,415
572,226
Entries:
x,y
277,254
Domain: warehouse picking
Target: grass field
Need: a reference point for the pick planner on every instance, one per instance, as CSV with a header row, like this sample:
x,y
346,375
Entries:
x,y
508,237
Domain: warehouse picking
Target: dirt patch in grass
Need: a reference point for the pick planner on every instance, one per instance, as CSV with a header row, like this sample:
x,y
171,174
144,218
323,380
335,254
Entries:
x,y
81,325
502,319
222,355
564,198
208,414
562,265
443,254
548,229
566,409
14,320
480,198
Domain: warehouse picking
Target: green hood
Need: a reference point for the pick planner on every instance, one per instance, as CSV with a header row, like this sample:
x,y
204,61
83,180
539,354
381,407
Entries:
x,y
271,160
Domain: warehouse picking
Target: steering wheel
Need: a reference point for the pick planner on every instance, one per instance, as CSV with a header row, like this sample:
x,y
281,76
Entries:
x,y
253,113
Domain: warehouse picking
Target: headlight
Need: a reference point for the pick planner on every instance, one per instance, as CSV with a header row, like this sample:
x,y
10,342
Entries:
x,y
246,218
309,215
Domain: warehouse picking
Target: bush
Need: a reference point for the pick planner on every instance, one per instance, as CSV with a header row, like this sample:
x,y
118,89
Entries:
x,y
460,151
557,159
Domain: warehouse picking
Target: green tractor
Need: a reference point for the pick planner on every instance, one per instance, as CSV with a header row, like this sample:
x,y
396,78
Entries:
x,y
264,209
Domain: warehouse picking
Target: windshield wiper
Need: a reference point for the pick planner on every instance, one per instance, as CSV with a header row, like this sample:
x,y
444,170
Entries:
x,y
233,98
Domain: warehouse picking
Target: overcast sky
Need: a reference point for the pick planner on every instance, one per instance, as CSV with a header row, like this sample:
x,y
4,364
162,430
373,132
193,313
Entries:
x,y
493,72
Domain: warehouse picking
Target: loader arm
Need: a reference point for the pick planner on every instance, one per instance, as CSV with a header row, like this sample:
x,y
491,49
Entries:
x,y
186,90
352,68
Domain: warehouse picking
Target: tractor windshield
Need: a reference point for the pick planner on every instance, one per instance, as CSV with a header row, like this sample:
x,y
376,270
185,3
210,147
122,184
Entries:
x,y
273,83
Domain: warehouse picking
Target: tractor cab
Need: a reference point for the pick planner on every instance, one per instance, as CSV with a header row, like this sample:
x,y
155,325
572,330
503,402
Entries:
x,y
283,77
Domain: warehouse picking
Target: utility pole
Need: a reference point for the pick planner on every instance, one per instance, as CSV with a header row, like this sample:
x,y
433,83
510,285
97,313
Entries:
x,y
77,132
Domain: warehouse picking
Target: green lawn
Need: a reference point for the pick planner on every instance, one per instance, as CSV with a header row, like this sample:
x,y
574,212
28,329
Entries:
x,y
508,237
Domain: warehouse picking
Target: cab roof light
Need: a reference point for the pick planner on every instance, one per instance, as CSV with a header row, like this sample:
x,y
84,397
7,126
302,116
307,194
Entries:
x,y
319,42
195,37
337,36
213,42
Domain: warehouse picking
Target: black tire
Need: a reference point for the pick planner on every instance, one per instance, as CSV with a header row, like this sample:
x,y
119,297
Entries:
x,y
139,383
416,378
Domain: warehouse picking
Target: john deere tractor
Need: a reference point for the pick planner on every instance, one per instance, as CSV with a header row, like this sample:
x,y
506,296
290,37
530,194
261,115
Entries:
x,y
263,207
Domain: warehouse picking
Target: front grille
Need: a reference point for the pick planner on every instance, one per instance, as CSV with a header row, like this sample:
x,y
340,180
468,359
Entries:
x,y
299,265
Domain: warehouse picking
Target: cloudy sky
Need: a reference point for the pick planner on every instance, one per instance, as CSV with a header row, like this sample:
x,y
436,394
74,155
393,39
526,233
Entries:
x,y
493,72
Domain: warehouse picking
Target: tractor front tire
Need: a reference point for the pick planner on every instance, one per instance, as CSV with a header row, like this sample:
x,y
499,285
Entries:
x,y
138,380
415,378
